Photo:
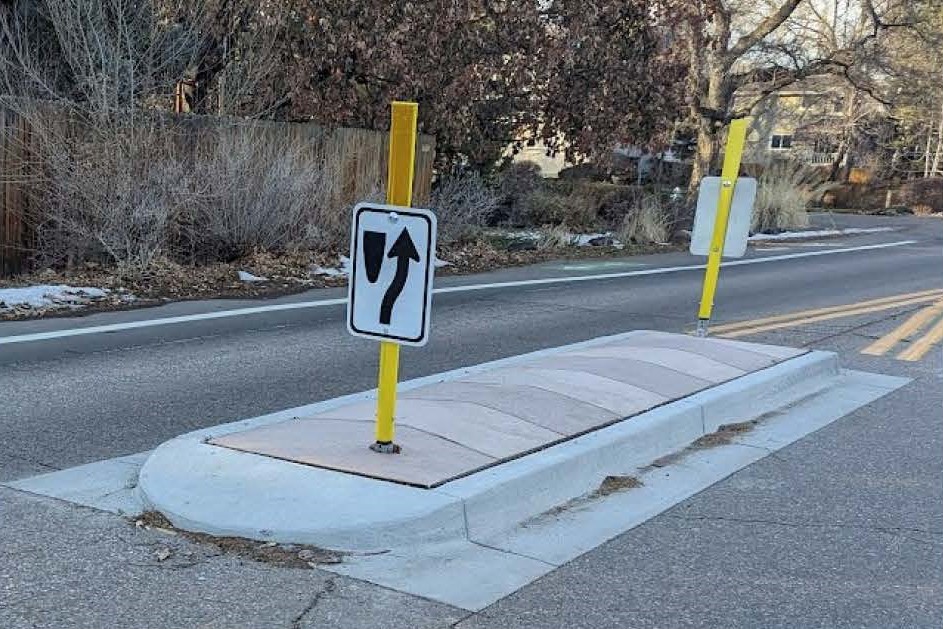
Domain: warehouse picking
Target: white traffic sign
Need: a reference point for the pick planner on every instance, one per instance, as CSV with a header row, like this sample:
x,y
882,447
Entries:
x,y
391,267
738,225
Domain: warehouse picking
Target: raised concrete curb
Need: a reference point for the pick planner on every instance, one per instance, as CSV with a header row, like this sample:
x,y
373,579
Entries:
x,y
219,491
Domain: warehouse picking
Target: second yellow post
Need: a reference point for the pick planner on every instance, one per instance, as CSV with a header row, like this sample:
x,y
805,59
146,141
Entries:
x,y
736,137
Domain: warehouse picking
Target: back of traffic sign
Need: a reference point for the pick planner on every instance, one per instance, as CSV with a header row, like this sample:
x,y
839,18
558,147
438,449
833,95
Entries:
x,y
738,223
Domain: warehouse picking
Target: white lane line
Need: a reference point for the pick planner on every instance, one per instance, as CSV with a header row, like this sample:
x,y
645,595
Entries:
x,y
661,270
239,312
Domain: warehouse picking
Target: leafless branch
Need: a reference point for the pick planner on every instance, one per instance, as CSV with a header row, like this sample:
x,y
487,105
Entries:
x,y
763,29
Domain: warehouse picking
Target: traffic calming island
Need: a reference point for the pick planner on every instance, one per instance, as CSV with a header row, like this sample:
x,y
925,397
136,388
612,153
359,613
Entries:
x,y
484,448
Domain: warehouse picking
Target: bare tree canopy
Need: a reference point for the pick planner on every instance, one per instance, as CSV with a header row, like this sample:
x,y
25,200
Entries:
x,y
771,44
583,76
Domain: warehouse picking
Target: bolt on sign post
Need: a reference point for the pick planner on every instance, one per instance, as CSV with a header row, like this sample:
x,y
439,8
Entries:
x,y
736,136
390,286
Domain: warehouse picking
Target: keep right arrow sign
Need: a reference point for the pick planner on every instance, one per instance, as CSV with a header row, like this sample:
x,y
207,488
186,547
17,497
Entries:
x,y
390,289
403,250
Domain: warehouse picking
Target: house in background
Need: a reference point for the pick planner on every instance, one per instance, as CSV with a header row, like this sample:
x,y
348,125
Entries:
x,y
537,152
807,122
628,164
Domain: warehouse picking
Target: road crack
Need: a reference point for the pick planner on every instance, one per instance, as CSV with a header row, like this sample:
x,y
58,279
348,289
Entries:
x,y
329,587
855,329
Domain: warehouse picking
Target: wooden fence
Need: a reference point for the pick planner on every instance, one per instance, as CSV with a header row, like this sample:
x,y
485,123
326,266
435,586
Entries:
x,y
15,169
357,156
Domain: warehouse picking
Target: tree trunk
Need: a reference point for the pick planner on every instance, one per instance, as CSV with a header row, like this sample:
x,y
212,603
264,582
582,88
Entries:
x,y
837,162
713,91
717,100
705,155
939,147
850,142
926,151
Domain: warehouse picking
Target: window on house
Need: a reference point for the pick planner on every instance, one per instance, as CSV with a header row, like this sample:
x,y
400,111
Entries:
x,y
780,142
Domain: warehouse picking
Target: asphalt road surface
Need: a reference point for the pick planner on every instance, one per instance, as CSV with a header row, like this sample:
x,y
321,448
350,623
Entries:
x,y
842,529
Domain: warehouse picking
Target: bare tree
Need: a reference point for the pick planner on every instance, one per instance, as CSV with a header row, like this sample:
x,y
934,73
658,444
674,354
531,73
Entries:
x,y
913,65
770,45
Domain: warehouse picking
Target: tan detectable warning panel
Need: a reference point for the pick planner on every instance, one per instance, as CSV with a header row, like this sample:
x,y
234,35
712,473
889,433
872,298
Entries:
x,y
454,428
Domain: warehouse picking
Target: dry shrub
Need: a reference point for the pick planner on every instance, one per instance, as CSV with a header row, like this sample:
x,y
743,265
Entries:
x,y
463,203
519,179
555,237
611,202
515,183
649,222
130,193
924,196
548,207
259,194
111,194
784,191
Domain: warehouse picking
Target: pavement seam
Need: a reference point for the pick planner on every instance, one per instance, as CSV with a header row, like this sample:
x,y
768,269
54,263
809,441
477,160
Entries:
x,y
27,460
880,529
772,453
511,552
465,520
463,619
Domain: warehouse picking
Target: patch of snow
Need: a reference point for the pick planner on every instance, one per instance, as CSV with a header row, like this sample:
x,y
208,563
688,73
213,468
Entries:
x,y
576,240
582,240
48,296
586,240
245,276
334,271
820,233
439,262
517,234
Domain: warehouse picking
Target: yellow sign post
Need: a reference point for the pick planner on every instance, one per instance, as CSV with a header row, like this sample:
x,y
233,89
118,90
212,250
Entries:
x,y
399,191
736,137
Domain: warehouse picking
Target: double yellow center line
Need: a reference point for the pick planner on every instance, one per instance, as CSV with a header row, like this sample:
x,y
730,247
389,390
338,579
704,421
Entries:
x,y
916,323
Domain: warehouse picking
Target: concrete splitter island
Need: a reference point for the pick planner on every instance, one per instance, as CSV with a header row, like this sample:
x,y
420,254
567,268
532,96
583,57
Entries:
x,y
484,448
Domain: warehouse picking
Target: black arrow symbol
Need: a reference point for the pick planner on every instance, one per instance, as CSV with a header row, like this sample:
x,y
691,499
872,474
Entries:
x,y
403,250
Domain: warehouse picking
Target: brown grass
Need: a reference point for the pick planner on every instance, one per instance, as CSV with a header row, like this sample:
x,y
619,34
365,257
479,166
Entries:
x,y
724,435
282,555
784,191
614,484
